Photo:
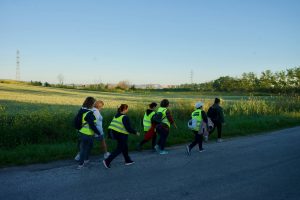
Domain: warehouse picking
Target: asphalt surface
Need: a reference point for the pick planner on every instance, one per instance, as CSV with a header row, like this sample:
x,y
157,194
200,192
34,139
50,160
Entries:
x,y
254,167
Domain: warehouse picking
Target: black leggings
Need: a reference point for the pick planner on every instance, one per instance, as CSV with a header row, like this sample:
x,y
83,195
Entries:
x,y
122,147
219,129
198,140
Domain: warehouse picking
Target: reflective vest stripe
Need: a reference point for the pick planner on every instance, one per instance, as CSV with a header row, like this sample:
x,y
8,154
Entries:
x,y
86,128
197,115
147,120
117,125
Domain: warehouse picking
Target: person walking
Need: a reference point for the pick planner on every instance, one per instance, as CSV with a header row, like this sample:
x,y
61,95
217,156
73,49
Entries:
x,y
149,127
98,106
216,114
87,131
198,116
163,128
119,129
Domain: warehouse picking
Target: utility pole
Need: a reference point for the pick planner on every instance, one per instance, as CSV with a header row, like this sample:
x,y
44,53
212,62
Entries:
x,y
192,76
18,76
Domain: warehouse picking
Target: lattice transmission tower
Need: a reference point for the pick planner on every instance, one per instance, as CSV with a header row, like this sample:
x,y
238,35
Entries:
x,y
18,76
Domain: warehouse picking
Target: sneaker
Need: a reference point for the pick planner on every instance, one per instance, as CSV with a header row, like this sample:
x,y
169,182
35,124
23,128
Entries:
x,y
163,152
86,162
201,150
80,167
156,147
129,163
77,157
105,164
219,140
188,150
106,155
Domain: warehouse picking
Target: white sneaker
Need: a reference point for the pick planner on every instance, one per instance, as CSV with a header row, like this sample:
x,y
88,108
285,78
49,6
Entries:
x,y
219,140
77,157
80,167
106,155
86,162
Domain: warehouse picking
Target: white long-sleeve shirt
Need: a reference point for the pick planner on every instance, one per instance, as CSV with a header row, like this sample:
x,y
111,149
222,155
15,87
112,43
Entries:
x,y
99,120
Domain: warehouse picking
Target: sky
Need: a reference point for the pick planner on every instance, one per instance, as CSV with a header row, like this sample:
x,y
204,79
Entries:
x,y
147,41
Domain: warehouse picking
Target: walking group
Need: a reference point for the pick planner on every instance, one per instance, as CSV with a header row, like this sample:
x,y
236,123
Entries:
x,y
156,123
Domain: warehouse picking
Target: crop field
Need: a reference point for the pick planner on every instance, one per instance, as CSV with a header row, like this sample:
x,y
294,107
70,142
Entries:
x,y
36,122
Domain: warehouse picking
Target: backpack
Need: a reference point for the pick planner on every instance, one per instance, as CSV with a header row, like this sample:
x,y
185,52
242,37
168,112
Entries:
x,y
157,118
78,118
212,113
192,124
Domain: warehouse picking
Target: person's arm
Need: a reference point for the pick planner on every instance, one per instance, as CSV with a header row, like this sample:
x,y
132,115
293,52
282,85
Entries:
x,y
90,120
204,116
170,118
222,115
127,125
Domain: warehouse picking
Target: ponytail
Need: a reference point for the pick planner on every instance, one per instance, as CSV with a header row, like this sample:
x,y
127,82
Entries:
x,y
122,107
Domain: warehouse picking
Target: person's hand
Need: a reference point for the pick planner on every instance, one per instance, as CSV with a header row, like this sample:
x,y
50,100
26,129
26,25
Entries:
x,y
138,133
175,126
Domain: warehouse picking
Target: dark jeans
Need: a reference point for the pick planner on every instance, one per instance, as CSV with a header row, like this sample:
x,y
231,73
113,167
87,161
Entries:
x,y
86,146
163,132
219,128
122,147
198,140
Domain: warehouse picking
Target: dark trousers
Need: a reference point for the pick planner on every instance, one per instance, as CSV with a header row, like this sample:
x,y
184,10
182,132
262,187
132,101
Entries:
x,y
163,132
198,140
86,146
219,128
122,147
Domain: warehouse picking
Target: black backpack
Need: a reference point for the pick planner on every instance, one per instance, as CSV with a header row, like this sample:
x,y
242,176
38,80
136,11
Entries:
x,y
78,118
157,118
212,113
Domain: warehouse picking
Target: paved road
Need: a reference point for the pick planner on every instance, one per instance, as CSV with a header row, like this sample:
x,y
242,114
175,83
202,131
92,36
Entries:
x,y
255,167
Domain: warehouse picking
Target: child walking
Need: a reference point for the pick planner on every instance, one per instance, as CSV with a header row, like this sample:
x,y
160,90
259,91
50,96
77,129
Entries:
x,y
201,125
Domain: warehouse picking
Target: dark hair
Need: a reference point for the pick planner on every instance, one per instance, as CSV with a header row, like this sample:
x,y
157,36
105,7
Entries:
x,y
217,100
164,103
152,105
122,107
89,102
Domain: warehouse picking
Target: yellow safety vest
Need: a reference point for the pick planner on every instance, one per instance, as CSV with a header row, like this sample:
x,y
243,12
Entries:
x,y
197,115
165,120
117,125
86,128
147,120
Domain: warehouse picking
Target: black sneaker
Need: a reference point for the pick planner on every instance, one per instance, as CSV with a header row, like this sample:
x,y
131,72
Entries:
x,y
105,164
129,163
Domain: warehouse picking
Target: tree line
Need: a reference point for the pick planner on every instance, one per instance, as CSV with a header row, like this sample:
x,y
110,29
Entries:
x,y
287,81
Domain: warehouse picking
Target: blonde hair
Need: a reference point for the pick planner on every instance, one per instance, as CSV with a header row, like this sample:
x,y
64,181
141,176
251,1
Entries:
x,y
98,102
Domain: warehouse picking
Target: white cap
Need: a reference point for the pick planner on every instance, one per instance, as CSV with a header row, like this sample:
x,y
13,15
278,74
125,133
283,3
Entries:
x,y
199,104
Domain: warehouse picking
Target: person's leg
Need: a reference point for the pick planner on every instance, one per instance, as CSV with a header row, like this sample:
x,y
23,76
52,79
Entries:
x,y
89,147
163,137
124,146
104,146
154,140
219,128
200,141
83,149
117,151
195,140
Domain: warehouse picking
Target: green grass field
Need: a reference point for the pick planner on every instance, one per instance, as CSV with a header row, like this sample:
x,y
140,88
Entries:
x,y
36,122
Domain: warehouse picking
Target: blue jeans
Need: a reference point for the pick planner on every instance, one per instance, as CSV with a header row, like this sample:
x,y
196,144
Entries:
x,y
86,146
